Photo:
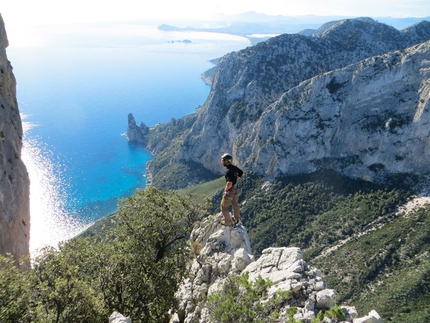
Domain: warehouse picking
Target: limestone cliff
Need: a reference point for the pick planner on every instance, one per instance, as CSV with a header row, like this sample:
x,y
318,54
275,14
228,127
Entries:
x,y
14,180
227,251
365,120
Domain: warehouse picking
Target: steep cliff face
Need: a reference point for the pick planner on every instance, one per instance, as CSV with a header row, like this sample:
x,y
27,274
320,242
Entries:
x,y
365,120
250,83
14,181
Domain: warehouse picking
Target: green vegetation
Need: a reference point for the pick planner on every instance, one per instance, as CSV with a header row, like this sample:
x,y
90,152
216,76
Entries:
x,y
388,269
239,300
135,269
314,211
169,173
204,190
334,313
349,229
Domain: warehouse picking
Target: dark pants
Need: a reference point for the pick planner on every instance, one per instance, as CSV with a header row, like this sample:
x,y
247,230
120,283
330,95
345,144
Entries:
x,y
231,198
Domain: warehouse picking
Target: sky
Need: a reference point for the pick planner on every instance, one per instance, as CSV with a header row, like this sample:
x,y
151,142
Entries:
x,y
23,16
31,12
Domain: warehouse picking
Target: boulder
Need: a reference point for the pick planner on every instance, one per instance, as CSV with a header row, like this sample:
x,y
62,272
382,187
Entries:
x,y
326,299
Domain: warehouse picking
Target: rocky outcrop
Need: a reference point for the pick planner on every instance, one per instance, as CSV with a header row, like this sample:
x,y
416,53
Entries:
x,y
136,133
14,180
352,98
226,251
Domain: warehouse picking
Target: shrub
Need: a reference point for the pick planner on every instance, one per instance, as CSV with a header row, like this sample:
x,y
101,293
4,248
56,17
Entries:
x,y
239,300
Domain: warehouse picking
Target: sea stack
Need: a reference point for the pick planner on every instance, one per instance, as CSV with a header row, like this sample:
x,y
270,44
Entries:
x,y
134,132
14,180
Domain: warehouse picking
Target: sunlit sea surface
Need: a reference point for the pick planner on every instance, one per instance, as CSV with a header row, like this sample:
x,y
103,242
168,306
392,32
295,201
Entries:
x,y
75,92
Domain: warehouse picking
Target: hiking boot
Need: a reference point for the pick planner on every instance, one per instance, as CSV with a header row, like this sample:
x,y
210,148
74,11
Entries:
x,y
235,221
226,224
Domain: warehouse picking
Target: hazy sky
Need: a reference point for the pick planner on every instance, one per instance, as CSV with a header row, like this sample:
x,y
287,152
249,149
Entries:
x,y
21,16
29,12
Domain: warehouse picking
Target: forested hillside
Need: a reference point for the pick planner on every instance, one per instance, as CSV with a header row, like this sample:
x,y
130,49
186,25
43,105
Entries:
x,y
374,255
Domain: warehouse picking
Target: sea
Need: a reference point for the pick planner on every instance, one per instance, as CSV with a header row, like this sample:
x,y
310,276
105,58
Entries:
x,y
75,89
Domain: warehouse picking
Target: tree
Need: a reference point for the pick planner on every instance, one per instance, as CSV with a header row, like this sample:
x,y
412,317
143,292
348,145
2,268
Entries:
x,y
63,288
135,269
14,291
151,240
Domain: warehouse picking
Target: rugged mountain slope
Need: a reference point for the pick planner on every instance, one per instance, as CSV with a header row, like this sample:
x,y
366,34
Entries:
x,y
14,181
247,82
312,78
368,250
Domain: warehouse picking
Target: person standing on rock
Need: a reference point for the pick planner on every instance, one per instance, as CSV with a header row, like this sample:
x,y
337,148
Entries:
x,y
231,192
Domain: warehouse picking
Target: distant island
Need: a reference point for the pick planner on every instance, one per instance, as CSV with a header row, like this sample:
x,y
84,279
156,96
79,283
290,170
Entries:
x,y
185,41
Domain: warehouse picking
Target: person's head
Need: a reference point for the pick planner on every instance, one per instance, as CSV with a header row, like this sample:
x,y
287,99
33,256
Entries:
x,y
226,159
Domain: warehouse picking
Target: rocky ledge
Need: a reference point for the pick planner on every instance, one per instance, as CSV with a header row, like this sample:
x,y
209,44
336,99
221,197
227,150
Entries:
x,y
227,251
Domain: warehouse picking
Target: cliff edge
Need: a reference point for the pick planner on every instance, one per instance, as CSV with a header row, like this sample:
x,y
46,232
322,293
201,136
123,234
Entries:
x,y
14,180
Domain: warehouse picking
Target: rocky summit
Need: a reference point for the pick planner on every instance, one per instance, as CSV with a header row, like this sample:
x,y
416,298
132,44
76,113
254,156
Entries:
x,y
226,251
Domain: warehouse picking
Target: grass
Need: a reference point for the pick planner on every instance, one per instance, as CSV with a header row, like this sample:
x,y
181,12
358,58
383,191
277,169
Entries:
x,y
204,190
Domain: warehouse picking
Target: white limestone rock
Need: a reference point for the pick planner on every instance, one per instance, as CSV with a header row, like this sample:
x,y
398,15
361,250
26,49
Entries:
x,y
135,133
372,317
350,313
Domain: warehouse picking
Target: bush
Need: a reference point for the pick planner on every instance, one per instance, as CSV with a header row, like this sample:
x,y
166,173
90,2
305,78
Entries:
x,y
239,300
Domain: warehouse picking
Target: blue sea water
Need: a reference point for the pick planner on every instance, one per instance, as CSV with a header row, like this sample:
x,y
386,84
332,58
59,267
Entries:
x,y
75,94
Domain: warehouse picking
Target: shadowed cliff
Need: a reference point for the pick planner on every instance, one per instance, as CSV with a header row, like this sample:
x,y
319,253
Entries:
x,y
14,180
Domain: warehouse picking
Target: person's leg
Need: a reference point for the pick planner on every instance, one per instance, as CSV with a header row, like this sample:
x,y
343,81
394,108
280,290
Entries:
x,y
225,207
235,204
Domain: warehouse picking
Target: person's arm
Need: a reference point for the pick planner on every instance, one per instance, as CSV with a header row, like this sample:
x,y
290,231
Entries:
x,y
228,185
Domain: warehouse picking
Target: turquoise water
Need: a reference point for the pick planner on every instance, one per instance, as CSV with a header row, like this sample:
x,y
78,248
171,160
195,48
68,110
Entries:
x,y
75,100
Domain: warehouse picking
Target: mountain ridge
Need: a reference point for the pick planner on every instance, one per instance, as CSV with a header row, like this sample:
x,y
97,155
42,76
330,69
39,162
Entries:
x,y
248,82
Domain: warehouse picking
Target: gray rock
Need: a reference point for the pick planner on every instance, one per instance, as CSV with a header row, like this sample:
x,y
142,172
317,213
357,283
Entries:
x,y
350,313
326,299
135,133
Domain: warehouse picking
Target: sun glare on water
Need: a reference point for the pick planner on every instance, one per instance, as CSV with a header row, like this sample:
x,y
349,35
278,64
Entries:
x,y
50,221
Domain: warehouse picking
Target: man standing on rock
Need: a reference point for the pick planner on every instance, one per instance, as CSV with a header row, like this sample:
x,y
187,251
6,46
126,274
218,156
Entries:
x,y
231,192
